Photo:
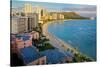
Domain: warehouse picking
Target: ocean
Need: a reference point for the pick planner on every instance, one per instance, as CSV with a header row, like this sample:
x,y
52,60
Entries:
x,y
80,34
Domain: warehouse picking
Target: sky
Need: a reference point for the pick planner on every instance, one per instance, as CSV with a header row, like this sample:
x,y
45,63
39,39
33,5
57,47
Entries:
x,y
84,10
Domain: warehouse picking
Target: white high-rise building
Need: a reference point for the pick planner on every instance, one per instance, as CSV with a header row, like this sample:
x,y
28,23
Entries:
x,y
42,12
18,25
28,8
21,24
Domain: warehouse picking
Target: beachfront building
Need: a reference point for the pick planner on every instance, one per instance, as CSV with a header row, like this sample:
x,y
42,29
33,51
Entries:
x,y
33,18
13,44
27,8
33,21
16,12
23,41
21,24
18,24
19,41
50,17
32,57
25,50
60,16
38,11
56,16
42,13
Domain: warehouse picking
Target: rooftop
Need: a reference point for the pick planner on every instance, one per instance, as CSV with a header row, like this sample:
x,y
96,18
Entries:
x,y
29,54
53,56
23,36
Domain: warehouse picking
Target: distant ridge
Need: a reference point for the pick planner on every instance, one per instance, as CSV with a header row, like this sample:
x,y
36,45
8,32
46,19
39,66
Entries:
x,y
71,15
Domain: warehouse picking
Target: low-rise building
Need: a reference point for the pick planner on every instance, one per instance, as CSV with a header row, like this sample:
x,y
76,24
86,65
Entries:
x,y
32,57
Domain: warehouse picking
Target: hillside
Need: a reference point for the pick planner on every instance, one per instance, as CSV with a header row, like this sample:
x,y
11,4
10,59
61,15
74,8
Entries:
x,y
71,15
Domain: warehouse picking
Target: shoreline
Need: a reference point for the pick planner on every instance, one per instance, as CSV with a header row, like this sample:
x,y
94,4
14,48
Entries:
x,y
58,43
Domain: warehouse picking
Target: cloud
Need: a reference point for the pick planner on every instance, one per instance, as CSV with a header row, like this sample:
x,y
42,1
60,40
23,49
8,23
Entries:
x,y
86,11
83,8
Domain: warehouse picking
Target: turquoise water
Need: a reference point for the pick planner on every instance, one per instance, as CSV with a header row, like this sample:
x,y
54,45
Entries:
x,y
80,34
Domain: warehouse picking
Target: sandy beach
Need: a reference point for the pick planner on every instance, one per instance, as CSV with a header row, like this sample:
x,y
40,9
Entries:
x,y
56,42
